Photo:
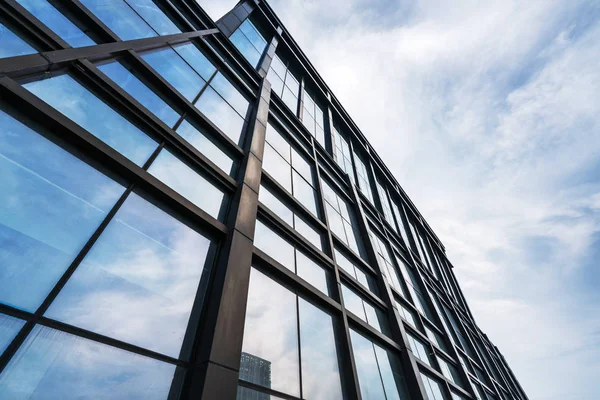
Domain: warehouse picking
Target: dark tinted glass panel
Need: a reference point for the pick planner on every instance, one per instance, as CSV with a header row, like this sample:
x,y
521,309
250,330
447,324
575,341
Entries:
x,y
139,281
432,387
55,365
12,45
199,140
56,21
120,18
50,204
9,327
72,99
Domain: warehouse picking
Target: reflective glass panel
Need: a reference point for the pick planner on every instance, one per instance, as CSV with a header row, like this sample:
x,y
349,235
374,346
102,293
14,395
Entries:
x,y
271,336
230,94
139,281
199,140
277,167
76,102
139,91
308,232
120,18
369,378
253,35
419,349
50,204
185,181
56,365
57,22
304,193
12,45
154,16
221,114
194,57
9,327
320,371
175,71
244,393
274,245
432,387
245,47
311,272
391,374
275,205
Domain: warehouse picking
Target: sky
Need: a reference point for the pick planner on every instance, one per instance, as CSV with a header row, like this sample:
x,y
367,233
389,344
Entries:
x,y
488,114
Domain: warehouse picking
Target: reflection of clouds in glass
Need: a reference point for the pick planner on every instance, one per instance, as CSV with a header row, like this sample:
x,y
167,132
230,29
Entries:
x,y
221,114
196,59
56,365
184,180
199,140
9,327
230,94
120,18
50,204
277,167
271,333
80,105
139,281
245,47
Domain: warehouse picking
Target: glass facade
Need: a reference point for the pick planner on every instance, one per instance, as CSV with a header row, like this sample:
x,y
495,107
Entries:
x,y
170,229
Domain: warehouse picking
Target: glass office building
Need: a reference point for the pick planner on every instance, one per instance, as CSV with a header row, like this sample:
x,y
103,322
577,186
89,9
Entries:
x,y
188,212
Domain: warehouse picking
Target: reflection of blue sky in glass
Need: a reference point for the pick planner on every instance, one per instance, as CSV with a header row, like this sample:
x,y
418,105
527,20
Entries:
x,y
230,94
175,71
196,59
57,22
9,327
12,45
76,102
199,140
50,204
221,114
184,180
154,16
139,281
57,365
245,47
139,91
257,40
120,18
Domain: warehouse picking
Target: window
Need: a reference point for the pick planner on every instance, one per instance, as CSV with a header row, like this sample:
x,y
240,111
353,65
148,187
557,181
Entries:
x,y
386,265
418,298
313,118
291,218
387,211
406,314
397,211
283,335
284,83
12,45
340,220
365,311
200,141
341,153
436,338
364,183
249,41
291,258
419,349
366,279
139,281
379,371
57,365
79,104
57,22
132,19
432,387
50,204
449,371
9,327
291,170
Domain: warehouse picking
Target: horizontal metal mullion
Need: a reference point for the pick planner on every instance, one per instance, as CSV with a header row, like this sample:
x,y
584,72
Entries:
x,y
266,390
63,127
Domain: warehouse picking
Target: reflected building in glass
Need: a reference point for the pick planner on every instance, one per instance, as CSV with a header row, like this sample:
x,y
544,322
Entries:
x,y
188,212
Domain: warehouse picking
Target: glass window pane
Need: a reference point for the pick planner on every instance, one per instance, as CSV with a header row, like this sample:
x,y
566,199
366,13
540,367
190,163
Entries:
x,y
305,193
154,16
120,18
302,166
320,371
50,204
419,349
353,302
369,379
276,82
308,232
196,59
56,365
335,223
199,140
187,182
277,167
290,100
12,45
175,71
139,91
76,102
274,138
230,94
278,66
274,245
221,114
139,281
9,327
245,47
275,205
292,83
244,393
270,346
432,387
391,374
255,37
57,22
311,272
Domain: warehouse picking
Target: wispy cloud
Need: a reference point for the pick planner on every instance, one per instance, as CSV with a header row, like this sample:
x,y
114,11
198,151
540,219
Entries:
x,y
493,110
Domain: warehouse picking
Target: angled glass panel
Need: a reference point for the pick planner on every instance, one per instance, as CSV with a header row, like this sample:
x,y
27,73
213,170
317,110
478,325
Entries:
x,y
311,272
120,18
12,45
290,99
367,280
176,71
274,245
194,57
277,167
187,182
292,83
154,16
245,47
9,327
199,140
221,114
432,387
305,193
320,370
270,346
276,82
139,281
50,205
392,376
57,22
253,35
275,205
230,94
369,378
364,310
308,232
278,67
406,314
419,349
277,141
302,166
76,102
56,365
139,91
449,371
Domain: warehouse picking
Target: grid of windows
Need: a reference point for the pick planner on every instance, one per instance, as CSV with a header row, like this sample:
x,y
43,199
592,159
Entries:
x,y
127,176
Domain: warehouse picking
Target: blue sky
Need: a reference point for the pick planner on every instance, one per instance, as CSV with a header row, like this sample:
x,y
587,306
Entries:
x,y
488,113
